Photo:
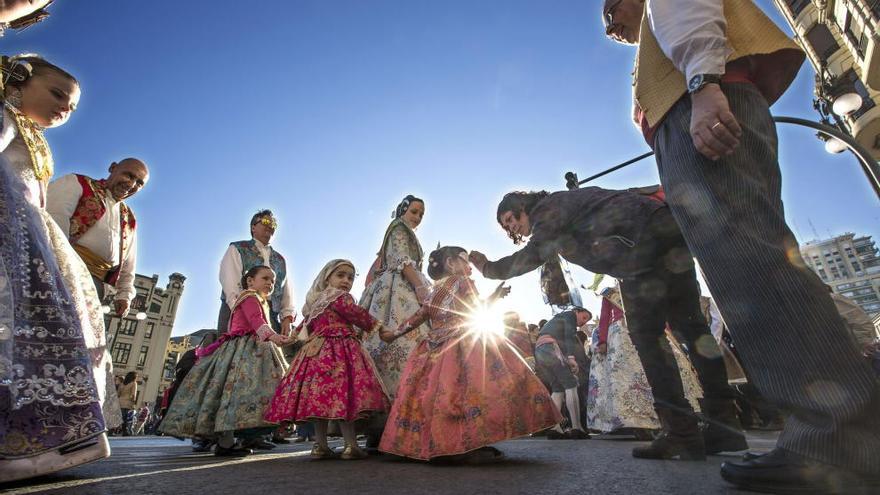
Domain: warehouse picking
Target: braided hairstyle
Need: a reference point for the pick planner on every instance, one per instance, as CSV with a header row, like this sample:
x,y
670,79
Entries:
x,y
437,260
404,205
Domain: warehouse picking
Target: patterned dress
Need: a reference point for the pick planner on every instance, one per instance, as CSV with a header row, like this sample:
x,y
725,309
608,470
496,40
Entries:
x,y
54,365
231,385
332,377
461,390
619,395
391,299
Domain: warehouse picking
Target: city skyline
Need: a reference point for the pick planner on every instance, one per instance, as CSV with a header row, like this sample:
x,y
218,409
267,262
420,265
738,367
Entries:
x,y
330,113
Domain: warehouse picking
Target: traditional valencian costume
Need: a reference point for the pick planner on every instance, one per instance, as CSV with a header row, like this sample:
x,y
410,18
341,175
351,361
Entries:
x,y
391,299
53,359
234,379
332,377
460,390
619,396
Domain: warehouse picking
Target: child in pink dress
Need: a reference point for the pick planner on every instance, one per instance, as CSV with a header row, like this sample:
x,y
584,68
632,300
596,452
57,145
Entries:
x,y
461,390
332,377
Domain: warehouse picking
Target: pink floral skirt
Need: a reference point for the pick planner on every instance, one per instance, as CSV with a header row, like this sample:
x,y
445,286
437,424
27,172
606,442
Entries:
x,y
464,394
330,378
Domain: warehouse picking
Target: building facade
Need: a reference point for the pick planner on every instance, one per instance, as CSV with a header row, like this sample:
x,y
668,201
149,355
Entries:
x,y
139,342
850,265
842,42
176,348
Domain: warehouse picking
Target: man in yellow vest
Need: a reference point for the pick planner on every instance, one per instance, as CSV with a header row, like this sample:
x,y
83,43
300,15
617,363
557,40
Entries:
x,y
706,72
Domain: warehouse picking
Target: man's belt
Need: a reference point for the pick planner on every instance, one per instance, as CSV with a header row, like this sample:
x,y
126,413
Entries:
x,y
98,266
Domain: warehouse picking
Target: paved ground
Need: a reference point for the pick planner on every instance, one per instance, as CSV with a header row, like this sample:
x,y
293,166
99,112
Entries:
x,y
147,465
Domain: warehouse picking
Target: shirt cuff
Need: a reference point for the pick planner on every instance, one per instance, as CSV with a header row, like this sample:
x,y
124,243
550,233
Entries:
x,y
709,61
265,332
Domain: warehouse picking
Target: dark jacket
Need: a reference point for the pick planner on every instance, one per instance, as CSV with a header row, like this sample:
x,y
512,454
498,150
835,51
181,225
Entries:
x,y
563,328
597,229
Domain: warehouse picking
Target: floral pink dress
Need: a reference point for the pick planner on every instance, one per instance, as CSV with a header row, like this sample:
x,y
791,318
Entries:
x,y
460,391
332,377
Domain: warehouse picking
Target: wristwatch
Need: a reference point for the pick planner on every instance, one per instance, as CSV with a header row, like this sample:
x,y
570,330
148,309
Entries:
x,y
700,81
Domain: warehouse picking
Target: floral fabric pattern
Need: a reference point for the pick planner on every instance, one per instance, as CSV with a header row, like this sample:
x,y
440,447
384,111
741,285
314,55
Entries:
x,y
332,377
228,390
49,397
391,299
619,395
461,391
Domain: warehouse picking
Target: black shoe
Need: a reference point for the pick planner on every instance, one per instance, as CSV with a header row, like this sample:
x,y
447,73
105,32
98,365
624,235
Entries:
x,y
202,446
680,439
555,435
280,441
232,452
781,471
723,431
577,435
258,444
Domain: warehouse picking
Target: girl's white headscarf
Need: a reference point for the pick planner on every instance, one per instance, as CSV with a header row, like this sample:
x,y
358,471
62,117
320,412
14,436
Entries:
x,y
320,295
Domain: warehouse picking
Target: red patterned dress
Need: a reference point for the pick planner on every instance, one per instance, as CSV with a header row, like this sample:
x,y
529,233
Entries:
x,y
332,377
462,390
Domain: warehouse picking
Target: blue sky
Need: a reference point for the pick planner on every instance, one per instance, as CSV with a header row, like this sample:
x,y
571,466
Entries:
x,y
329,112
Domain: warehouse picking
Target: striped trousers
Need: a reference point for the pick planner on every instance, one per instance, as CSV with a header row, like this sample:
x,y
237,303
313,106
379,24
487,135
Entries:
x,y
791,339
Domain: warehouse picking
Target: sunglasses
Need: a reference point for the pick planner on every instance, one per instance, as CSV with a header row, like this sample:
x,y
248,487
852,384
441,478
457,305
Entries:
x,y
268,222
609,13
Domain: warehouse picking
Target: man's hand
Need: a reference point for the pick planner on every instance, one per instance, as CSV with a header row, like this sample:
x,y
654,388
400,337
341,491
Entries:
x,y
572,365
386,335
714,128
287,325
121,308
478,259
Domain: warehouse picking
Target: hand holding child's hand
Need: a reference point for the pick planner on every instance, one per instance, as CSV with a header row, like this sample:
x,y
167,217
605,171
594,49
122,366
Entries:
x,y
281,340
386,335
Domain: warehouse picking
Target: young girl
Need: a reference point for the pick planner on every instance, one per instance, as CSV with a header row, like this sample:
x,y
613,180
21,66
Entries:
x,y
44,285
226,392
461,391
332,377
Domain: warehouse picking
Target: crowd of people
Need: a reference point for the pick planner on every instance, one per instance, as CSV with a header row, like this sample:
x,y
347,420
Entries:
x,y
409,365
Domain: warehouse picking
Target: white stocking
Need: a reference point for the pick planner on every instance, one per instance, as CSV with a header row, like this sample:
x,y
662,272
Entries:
x,y
557,398
321,432
574,408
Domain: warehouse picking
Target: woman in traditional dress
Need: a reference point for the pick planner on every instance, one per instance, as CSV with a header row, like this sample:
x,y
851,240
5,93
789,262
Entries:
x,y
619,397
332,377
226,393
395,287
54,365
462,388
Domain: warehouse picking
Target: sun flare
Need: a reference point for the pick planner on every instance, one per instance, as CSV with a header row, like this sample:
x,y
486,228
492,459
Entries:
x,y
488,322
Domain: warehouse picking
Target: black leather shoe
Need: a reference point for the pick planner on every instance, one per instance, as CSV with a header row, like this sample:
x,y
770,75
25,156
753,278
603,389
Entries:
x,y
578,435
555,435
781,471
680,439
258,444
232,452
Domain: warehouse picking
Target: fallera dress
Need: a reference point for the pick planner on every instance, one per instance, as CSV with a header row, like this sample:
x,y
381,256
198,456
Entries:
x,y
460,389
619,396
54,365
391,299
234,379
332,377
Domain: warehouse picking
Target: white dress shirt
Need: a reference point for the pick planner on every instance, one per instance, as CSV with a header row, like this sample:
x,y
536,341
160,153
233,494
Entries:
x,y
103,237
692,33
231,272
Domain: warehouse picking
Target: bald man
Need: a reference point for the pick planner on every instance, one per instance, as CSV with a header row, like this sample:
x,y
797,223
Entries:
x,y
100,226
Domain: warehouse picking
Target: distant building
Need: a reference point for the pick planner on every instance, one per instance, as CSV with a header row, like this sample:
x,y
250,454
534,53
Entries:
x,y
842,42
139,341
850,265
176,348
